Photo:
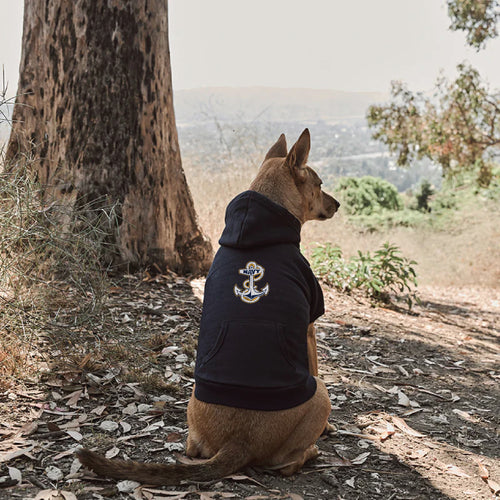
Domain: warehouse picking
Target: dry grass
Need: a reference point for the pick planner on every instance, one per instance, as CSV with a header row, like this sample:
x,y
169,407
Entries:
x,y
51,280
467,252
213,190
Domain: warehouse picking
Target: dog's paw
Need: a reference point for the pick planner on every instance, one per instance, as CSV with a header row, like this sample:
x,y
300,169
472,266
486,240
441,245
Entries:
x,y
329,429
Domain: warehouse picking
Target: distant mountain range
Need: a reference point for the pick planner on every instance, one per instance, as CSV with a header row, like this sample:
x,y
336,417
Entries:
x,y
272,104
265,104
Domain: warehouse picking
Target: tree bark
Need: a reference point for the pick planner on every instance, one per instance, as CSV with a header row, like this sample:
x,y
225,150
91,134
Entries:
x,y
95,110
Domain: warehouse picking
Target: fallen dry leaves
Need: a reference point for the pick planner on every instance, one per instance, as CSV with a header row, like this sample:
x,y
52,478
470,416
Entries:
x,y
413,398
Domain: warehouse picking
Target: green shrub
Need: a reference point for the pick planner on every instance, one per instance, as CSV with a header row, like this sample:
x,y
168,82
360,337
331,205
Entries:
x,y
367,195
445,200
378,275
493,191
424,192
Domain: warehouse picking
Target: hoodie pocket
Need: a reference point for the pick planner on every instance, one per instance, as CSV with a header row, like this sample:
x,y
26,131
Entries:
x,y
249,353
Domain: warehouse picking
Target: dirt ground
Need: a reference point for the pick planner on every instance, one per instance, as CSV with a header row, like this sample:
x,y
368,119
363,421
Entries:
x,y
415,400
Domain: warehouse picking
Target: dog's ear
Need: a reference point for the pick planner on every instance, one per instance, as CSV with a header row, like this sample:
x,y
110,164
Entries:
x,y
297,157
278,150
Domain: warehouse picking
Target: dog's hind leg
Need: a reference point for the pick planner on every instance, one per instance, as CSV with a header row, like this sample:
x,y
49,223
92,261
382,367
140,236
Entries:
x,y
299,446
298,458
195,447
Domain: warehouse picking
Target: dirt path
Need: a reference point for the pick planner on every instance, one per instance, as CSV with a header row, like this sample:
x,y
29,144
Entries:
x,y
415,399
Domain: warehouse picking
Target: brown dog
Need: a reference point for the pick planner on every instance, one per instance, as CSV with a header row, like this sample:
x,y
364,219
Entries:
x,y
232,437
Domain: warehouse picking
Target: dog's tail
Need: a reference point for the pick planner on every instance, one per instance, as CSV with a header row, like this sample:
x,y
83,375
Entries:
x,y
229,459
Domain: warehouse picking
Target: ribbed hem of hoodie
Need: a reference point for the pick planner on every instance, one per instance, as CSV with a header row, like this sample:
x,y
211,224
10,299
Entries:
x,y
252,398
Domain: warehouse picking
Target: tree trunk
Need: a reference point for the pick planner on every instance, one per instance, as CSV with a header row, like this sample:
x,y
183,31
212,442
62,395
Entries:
x,y
95,110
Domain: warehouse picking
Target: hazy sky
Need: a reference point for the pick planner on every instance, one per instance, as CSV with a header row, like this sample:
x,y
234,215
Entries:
x,y
358,45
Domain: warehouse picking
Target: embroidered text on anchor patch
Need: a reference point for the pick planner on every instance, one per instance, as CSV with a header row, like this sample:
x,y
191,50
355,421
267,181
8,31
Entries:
x,y
250,292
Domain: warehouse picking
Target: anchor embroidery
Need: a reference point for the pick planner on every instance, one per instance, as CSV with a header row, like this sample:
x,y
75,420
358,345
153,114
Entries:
x,y
250,292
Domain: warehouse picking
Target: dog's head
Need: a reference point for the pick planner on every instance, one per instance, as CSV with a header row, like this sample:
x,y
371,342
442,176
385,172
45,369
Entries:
x,y
287,180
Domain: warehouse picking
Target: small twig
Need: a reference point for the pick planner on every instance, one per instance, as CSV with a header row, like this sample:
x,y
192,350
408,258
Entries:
x,y
421,389
50,434
385,472
355,434
35,482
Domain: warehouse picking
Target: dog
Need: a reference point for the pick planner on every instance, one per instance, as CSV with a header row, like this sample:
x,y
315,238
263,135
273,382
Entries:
x,y
257,398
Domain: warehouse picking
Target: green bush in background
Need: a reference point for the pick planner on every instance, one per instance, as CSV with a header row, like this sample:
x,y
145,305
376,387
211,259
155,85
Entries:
x,y
367,195
373,204
378,275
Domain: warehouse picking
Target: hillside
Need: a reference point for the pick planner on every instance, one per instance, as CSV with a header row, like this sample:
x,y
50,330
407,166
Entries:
x,y
271,104
227,127
106,361
231,128
264,104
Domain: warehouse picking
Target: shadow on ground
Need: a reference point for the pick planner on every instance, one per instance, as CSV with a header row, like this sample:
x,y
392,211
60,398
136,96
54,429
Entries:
x,y
415,399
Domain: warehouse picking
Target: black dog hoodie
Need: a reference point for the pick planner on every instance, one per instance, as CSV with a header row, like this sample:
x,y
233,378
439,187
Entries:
x,y
260,296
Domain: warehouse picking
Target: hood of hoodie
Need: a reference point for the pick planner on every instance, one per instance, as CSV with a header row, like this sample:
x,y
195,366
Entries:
x,y
253,220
